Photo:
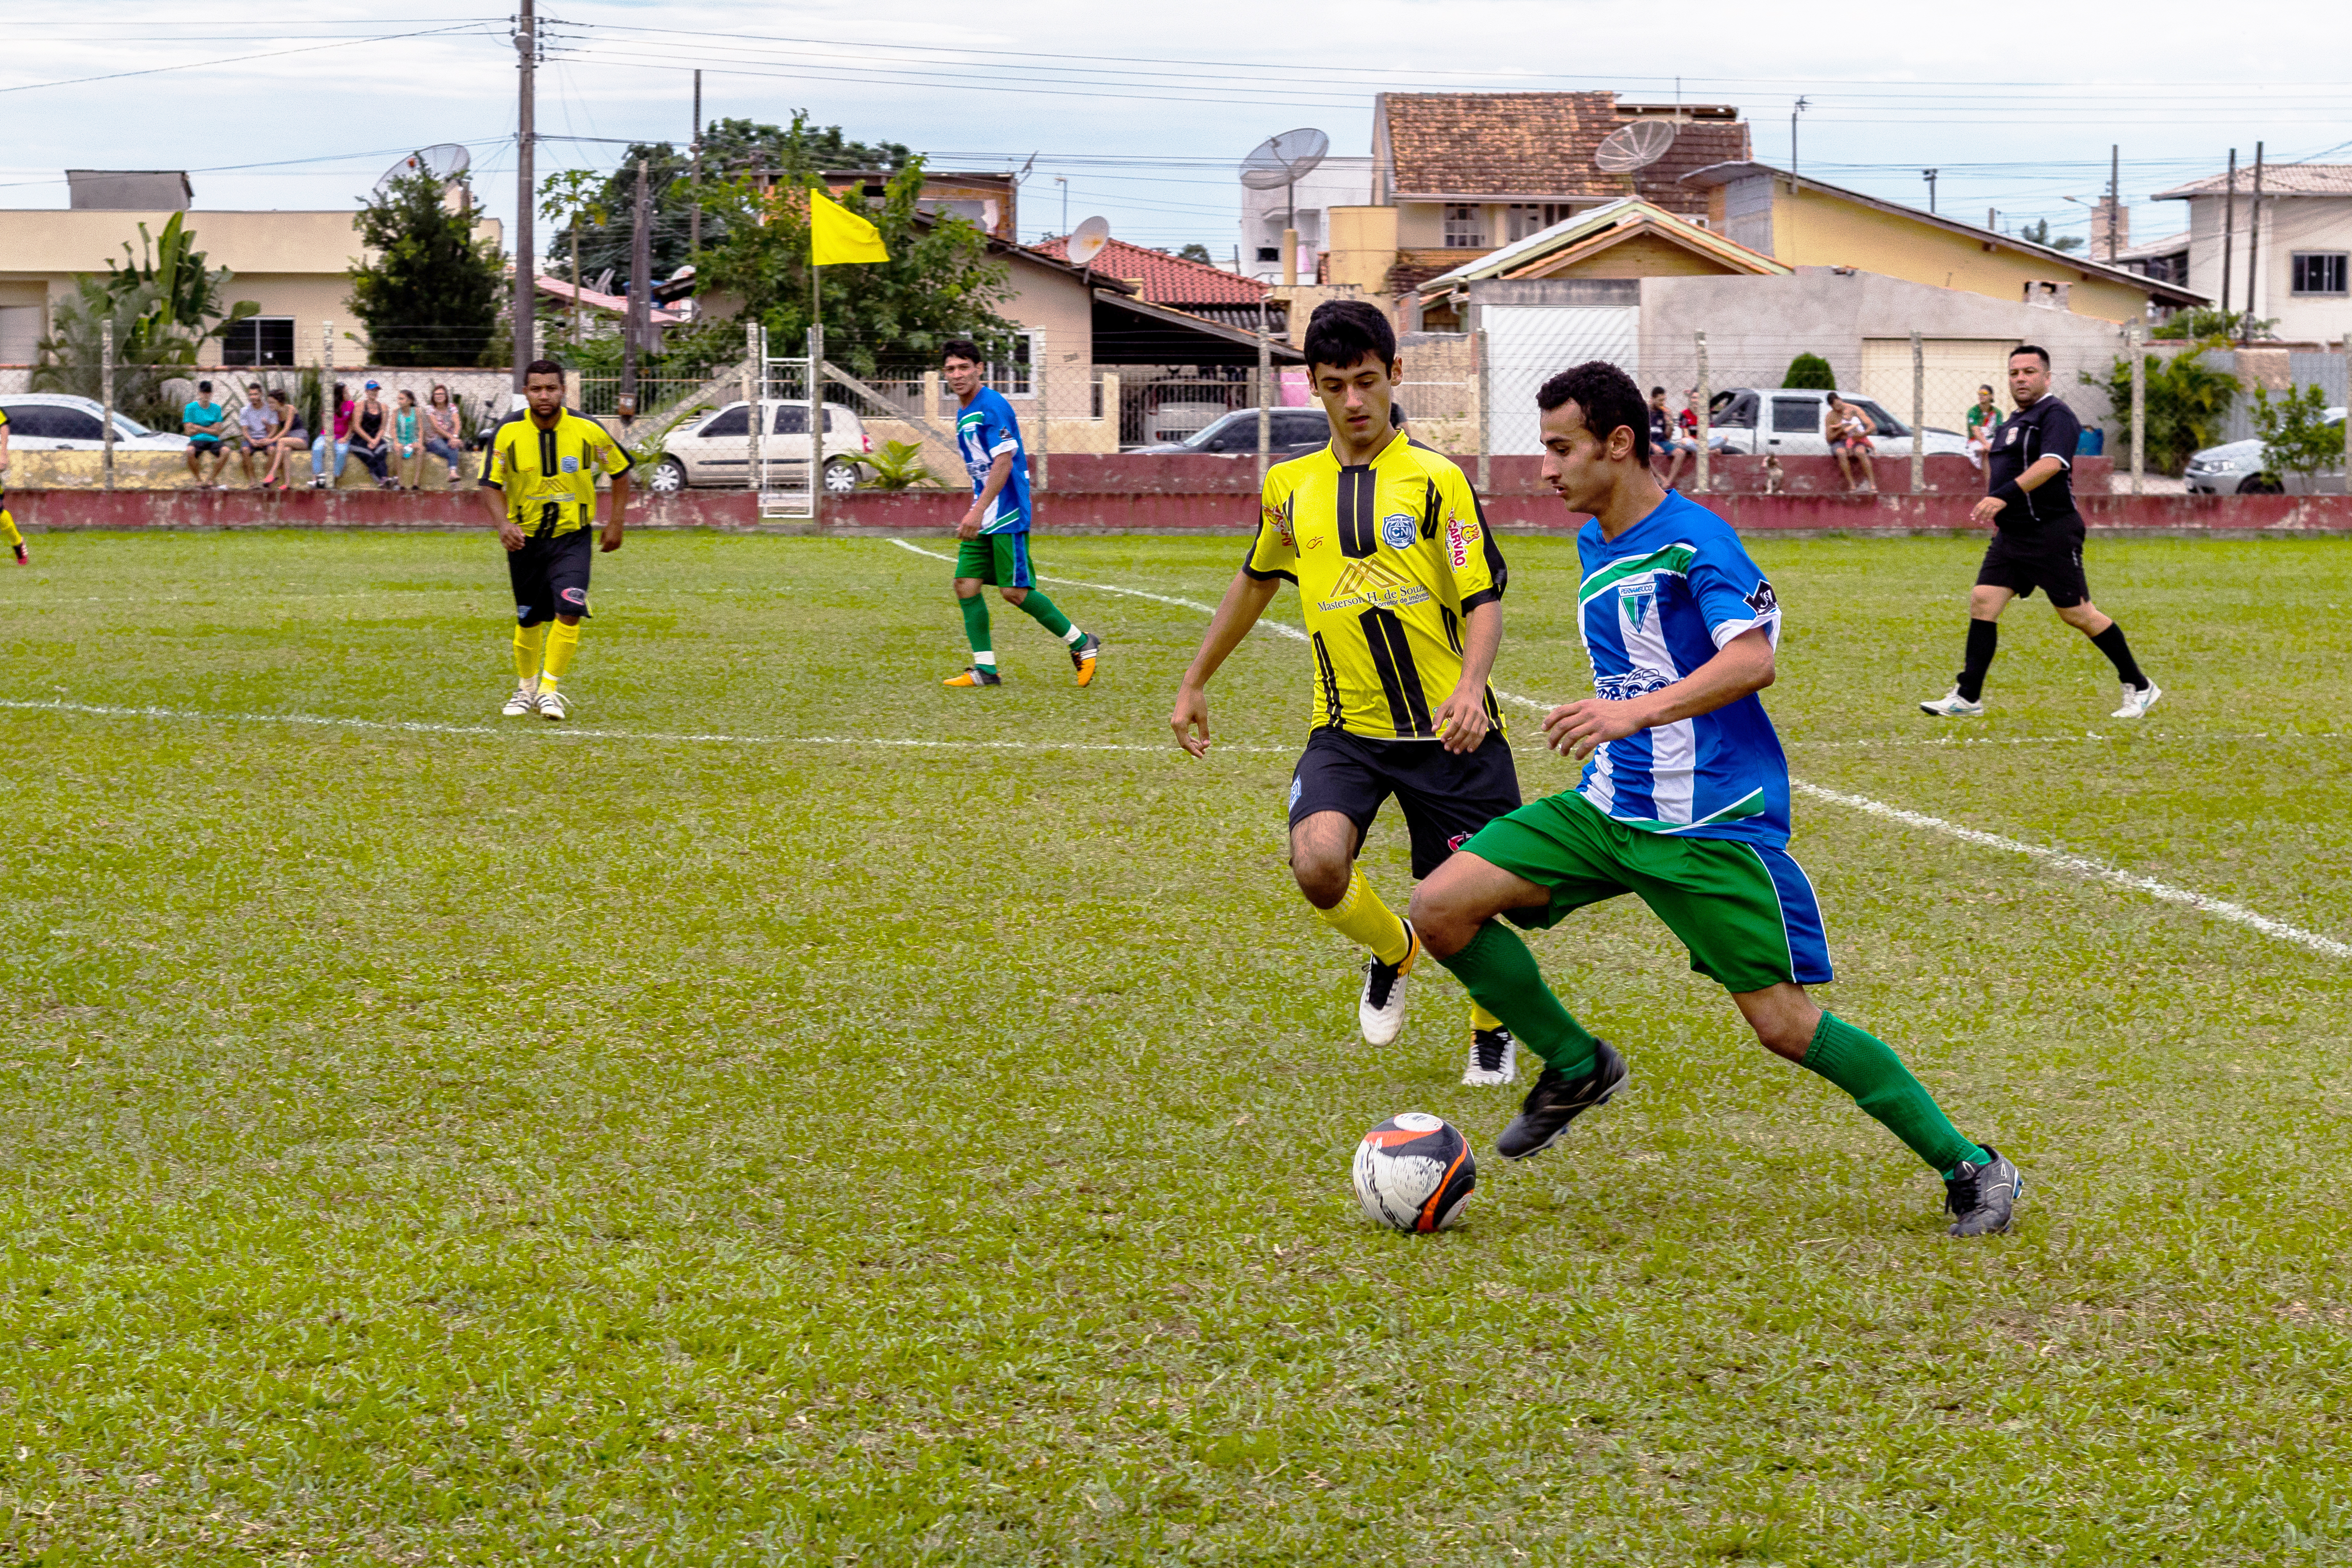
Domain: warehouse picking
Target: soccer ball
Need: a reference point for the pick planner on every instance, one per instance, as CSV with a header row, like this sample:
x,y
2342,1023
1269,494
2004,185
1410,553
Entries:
x,y
1414,1172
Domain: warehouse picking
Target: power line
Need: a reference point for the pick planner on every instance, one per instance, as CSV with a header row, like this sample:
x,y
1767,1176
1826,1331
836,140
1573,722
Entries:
x,y
239,59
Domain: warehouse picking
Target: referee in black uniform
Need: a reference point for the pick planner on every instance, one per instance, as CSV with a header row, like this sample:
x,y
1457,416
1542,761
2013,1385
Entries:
x,y
2037,542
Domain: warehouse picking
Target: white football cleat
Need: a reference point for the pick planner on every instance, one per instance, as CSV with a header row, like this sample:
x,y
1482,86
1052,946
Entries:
x,y
551,705
524,703
2137,700
1494,1058
1951,705
1381,1010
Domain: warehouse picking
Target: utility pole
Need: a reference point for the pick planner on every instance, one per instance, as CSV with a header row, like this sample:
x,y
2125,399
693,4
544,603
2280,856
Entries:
x,y
2229,229
525,304
2114,195
2253,251
634,325
694,214
1929,176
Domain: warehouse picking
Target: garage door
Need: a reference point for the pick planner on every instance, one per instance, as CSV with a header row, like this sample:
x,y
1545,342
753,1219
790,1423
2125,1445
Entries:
x,y
1955,368
1533,343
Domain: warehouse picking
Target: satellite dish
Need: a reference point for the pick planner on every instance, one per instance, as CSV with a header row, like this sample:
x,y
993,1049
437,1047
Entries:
x,y
1088,241
1279,160
444,161
1634,146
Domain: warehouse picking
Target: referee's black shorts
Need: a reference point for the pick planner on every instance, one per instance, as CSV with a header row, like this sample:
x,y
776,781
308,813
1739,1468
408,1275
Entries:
x,y
550,574
1446,795
2051,561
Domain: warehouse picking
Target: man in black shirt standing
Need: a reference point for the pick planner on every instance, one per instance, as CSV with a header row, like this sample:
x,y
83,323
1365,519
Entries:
x,y
2037,542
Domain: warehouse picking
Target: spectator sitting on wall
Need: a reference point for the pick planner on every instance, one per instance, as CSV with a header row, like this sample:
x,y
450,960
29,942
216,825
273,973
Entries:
x,y
287,438
371,432
337,439
201,422
1984,418
256,427
1849,429
444,438
405,432
1666,438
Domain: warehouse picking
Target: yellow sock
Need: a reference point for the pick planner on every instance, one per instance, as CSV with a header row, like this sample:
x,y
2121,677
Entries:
x,y
563,642
1364,919
528,641
8,534
1481,1019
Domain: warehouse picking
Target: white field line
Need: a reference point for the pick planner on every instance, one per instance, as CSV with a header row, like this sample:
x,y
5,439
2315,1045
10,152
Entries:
x,y
2057,860
525,727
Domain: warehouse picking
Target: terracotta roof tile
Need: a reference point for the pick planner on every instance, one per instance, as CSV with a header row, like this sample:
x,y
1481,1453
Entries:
x,y
1163,279
2278,180
1537,145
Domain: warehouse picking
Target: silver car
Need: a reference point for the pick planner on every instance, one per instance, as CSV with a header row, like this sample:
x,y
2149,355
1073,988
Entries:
x,y
1787,421
58,422
715,448
2236,468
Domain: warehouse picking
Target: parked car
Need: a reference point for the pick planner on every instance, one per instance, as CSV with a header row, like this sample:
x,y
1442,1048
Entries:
x,y
56,422
1787,422
1292,431
715,448
2236,468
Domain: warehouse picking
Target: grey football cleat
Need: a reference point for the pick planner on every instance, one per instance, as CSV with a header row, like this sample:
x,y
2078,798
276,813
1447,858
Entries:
x,y
1555,1101
1953,706
1983,1197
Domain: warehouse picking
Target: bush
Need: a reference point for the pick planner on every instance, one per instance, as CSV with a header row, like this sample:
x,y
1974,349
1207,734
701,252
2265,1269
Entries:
x,y
898,465
2296,437
1811,372
2188,400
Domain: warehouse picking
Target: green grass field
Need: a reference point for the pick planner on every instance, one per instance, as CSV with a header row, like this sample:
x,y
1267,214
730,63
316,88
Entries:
x,y
718,1135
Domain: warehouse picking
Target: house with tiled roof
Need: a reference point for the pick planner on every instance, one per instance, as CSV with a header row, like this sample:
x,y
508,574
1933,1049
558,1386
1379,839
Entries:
x,y
1175,281
1627,238
2291,246
1457,174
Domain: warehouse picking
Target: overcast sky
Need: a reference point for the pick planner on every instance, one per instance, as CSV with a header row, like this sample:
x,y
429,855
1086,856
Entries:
x,y
1143,111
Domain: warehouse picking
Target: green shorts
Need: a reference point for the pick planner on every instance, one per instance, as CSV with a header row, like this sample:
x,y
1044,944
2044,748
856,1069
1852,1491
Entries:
x,y
1000,561
1746,911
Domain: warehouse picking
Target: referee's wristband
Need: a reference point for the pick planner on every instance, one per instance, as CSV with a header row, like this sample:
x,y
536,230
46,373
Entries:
x,y
2008,494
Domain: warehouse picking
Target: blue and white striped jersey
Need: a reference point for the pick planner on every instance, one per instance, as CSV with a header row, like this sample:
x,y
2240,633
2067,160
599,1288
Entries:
x,y
1657,601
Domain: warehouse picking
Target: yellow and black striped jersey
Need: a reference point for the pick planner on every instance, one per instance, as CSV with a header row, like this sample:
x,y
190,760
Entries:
x,y
549,475
1387,557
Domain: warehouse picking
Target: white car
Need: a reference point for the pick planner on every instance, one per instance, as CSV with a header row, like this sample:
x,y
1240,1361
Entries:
x,y
1787,421
2236,468
714,449
57,422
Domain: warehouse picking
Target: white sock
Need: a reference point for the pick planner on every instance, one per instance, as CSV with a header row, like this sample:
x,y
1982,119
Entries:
x,y
984,661
1074,636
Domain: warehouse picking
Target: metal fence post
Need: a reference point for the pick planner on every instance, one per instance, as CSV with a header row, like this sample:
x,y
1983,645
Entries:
x,y
1038,361
1706,415
817,423
1482,386
2139,405
326,431
755,378
1919,414
1264,419
106,398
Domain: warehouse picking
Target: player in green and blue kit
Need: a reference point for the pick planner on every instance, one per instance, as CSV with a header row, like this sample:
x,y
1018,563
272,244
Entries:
x,y
1684,802
995,531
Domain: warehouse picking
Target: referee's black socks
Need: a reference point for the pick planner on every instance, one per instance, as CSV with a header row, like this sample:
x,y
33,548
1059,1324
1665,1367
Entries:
x,y
1984,636
2119,652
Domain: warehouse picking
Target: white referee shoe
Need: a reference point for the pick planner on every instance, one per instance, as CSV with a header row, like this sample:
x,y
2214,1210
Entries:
x,y
2137,700
522,705
1951,705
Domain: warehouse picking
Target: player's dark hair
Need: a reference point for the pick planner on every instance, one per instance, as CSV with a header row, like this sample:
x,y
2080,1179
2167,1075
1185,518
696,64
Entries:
x,y
962,348
543,368
1606,397
2036,350
1342,331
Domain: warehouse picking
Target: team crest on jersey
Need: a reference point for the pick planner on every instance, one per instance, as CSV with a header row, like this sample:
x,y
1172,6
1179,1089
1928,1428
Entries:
x,y
1764,601
1396,531
570,466
1638,600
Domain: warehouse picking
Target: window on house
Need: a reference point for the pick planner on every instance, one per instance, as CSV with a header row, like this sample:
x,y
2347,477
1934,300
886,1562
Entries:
x,y
1269,253
1011,377
259,341
1466,228
1521,219
2319,271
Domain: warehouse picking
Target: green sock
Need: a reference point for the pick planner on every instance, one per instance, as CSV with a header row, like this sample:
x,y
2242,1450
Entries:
x,y
1040,609
975,627
1501,976
1865,1067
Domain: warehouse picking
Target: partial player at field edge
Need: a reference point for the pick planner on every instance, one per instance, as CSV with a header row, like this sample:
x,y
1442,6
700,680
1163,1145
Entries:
x,y
1684,802
16,540
995,530
1400,585
541,473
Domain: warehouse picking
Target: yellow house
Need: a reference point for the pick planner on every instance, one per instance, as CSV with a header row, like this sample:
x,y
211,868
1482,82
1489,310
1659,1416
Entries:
x,y
1804,223
295,265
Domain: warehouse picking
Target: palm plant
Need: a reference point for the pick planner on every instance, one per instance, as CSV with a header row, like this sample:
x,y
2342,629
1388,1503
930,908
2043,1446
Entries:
x,y
899,465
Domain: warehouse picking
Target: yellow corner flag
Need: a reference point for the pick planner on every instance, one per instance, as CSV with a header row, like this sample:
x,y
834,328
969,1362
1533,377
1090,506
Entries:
x,y
837,235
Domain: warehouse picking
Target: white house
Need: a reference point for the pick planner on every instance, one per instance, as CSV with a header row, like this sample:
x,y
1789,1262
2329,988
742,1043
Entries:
x,y
2295,244
1334,182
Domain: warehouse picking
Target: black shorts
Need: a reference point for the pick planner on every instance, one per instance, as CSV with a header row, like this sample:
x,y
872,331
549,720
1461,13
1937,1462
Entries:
x,y
2052,562
1447,796
204,443
551,576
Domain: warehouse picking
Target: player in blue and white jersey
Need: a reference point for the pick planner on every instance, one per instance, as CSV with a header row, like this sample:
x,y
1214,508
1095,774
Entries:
x,y
1684,802
995,530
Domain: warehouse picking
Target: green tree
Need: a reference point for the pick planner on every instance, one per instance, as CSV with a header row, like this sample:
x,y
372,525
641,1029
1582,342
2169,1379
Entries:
x,y
601,205
940,282
2296,437
2205,321
433,295
2038,233
2187,400
164,305
1811,372
1196,251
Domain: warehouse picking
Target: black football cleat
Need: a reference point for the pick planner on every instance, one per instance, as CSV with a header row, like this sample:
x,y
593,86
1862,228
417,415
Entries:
x,y
1557,1100
1983,1197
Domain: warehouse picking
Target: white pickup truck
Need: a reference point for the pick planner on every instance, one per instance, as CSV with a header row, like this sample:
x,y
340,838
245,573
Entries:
x,y
1787,421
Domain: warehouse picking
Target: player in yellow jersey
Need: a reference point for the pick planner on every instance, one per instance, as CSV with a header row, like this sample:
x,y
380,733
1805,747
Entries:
x,y
15,541
1401,586
540,483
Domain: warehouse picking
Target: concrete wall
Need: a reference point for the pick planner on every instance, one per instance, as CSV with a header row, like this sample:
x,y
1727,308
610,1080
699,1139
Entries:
x,y
1363,246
